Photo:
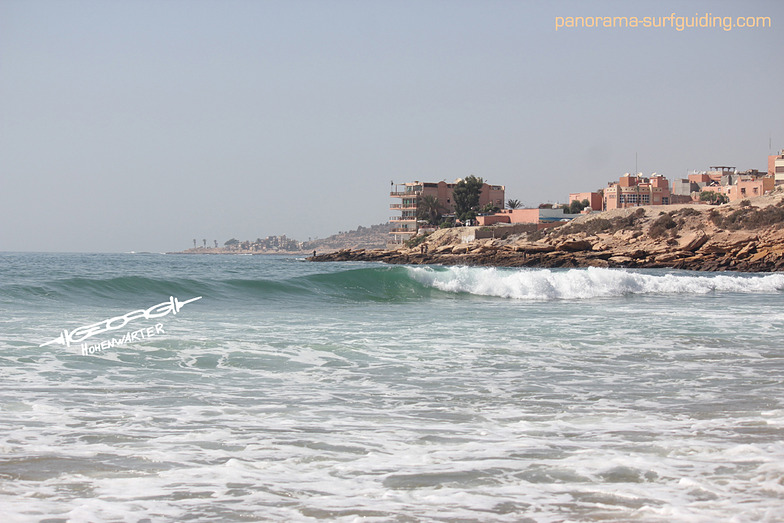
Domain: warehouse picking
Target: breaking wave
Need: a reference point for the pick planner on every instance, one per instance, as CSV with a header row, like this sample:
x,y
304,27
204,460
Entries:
x,y
382,283
544,284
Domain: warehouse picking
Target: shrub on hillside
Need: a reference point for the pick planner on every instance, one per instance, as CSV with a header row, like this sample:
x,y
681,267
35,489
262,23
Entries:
x,y
689,211
661,225
416,240
748,217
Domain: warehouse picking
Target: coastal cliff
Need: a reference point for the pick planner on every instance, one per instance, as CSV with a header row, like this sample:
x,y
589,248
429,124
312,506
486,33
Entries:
x,y
742,236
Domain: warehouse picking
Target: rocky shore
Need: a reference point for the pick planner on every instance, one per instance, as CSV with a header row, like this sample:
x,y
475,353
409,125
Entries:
x,y
743,236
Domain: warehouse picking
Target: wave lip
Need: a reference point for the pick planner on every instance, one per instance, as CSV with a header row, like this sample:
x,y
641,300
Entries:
x,y
545,284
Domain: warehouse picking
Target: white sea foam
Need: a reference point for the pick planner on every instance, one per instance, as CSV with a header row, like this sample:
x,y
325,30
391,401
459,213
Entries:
x,y
544,284
664,408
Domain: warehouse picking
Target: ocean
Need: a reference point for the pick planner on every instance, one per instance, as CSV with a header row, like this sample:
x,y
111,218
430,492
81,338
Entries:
x,y
298,391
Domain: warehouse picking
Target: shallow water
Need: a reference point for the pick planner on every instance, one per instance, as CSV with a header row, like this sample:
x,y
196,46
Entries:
x,y
297,391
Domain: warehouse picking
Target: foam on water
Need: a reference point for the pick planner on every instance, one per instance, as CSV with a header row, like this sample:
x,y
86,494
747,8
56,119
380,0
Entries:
x,y
415,404
537,284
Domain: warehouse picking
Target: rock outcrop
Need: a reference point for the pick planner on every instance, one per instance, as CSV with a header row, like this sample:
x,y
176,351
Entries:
x,y
742,236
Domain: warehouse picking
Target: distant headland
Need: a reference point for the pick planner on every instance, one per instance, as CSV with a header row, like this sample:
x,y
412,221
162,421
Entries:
x,y
362,237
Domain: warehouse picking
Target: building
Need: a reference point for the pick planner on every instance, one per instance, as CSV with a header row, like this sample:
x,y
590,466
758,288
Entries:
x,y
724,180
698,180
635,190
750,186
594,199
682,187
543,217
406,224
776,167
740,186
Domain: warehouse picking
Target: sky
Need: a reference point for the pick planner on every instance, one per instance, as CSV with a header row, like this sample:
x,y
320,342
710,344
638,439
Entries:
x,y
141,125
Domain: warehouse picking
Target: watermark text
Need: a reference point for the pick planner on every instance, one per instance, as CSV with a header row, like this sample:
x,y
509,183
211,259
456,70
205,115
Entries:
x,y
679,23
129,337
67,338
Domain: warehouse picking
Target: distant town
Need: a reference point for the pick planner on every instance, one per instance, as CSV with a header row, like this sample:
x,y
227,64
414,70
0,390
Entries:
x,y
362,237
427,206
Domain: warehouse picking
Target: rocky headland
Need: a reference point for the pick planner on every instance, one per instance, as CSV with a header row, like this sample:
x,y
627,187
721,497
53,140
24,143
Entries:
x,y
747,236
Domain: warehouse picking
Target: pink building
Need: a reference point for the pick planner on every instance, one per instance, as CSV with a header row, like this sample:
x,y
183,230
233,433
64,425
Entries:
x,y
510,216
633,191
542,217
594,199
744,187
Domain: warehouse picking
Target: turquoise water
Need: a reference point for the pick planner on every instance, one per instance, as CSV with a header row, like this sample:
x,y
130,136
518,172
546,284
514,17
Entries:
x,y
296,391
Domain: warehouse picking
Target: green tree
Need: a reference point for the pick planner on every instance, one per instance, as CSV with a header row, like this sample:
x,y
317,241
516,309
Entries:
x,y
490,207
446,223
429,209
513,204
466,195
576,206
232,243
713,197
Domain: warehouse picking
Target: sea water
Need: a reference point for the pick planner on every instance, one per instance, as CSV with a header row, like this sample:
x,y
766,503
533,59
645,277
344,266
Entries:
x,y
298,391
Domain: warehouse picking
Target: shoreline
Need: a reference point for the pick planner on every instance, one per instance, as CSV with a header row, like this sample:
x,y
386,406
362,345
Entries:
x,y
240,253
745,236
552,260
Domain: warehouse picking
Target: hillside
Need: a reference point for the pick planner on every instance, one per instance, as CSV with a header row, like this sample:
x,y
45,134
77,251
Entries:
x,y
372,237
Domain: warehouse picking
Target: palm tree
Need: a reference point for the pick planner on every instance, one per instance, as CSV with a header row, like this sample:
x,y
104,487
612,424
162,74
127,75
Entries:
x,y
513,204
430,209
194,243
205,243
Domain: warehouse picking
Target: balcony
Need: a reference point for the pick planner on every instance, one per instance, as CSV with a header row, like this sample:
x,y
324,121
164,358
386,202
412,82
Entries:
x,y
402,230
405,193
403,206
402,218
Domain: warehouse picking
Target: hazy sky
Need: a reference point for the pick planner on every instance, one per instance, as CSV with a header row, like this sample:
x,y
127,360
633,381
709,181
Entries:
x,y
141,125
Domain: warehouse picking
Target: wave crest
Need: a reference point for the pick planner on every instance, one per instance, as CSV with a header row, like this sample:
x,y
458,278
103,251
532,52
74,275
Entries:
x,y
544,284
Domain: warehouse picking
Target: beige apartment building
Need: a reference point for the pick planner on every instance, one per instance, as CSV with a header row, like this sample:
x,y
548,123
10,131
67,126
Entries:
x,y
776,167
410,193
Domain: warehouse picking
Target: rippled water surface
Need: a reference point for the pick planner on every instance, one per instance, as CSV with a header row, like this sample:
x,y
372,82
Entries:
x,y
295,391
